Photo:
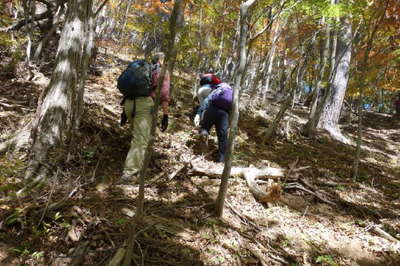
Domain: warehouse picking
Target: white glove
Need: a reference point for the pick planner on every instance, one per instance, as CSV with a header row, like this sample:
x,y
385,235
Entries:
x,y
197,120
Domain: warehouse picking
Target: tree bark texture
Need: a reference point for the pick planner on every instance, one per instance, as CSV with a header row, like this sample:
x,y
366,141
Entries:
x,y
330,116
244,15
55,116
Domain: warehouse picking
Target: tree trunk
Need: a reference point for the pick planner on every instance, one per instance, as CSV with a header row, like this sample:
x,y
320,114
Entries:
x,y
271,57
274,125
55,116
244,16
363,67
28,11
321,70
270,133
257,78
330,116
220,49
268,71
125,19
49,34
311,126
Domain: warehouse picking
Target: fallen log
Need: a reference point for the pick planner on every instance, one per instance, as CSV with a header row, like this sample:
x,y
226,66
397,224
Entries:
x,y
250,174
215,170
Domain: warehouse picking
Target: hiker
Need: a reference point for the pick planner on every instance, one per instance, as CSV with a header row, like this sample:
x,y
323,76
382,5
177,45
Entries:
x,y
208,82
214,110
138,111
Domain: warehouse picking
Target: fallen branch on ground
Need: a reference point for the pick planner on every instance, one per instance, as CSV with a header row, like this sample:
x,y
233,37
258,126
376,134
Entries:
x,y
296,185
380,232
250,174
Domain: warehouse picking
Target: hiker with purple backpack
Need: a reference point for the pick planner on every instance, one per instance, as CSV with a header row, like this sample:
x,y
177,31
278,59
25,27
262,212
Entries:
x,y
215,110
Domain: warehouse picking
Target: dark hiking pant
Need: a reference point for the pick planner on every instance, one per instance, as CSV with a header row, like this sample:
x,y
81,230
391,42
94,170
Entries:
x,y
220,118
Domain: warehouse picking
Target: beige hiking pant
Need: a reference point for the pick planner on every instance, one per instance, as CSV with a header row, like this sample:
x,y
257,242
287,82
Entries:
x,y
140,126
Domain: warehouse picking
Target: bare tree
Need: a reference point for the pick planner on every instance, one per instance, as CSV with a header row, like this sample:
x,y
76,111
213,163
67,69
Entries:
x,y
242,51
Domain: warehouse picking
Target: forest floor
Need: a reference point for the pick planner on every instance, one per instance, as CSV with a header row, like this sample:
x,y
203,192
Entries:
x,y
80,208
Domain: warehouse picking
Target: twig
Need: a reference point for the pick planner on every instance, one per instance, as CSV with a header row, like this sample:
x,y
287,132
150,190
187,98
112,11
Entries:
x,y
173,174
109,238
141,252
296,185
118,257
95,170
49,200
377,230
157,177
257,253
305,211
282,260
75,188
242,217
79,253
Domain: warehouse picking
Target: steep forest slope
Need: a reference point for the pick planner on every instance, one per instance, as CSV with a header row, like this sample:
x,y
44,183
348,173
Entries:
x,y
80,217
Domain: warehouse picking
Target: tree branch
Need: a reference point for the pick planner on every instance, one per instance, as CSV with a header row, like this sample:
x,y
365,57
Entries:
x,y
100,8
23,22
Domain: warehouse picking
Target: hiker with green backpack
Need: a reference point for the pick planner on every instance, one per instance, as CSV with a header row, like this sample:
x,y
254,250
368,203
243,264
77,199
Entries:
x,y
137,84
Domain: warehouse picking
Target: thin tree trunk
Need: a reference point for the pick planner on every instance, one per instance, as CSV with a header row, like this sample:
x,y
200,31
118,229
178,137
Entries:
x,y
125,19
321,70
174,27
359,137
220,49
271,130
268,72
311,126
363,67
87,54
270,59
244,15
50,33
28,15
54,118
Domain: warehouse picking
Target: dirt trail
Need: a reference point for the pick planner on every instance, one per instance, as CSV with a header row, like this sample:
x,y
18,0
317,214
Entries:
x,y
179,227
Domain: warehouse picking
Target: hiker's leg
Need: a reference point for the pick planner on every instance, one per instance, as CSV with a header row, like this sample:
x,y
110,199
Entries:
x,y
141,130
221,127
128,109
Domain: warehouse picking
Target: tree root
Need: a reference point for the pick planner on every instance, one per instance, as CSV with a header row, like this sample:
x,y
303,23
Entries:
x,y
18,141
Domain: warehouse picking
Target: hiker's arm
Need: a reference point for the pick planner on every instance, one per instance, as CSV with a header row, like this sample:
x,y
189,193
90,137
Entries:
x,y
165,97
204,105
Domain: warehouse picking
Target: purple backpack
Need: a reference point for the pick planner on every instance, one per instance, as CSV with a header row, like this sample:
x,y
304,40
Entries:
x,y
222,96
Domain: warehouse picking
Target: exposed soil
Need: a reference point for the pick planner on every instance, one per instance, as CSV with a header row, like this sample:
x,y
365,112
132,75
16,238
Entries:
x,y
80,205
